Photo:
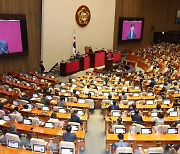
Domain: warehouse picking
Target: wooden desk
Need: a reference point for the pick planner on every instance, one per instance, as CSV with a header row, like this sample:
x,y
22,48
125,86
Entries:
x,y
11,94
7,150
45,133
145,139
140,97
49,79
77,105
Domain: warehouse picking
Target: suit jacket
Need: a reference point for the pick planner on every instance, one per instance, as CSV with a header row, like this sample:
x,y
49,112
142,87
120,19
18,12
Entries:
x,y
3,47
137,118
113,107
70,137
133,35
75,118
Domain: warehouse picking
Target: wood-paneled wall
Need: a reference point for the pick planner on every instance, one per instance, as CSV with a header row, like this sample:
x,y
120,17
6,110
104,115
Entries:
x,y
32,10
159,16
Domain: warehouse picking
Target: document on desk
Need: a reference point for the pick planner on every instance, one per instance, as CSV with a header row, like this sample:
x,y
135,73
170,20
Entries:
x,y
26,110
2,122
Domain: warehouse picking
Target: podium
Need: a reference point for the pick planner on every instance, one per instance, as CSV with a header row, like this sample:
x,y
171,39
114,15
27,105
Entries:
x,y
108,64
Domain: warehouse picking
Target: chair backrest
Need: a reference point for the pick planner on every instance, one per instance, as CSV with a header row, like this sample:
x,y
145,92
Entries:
x,y
39,105
138,127
117,126
74,124
57,123
162,129
56,97
105,102
73,99
68,146
125,102
18,91
23,102
178,126
56,89
16,117
34,86
35,120
13,137
155,150
123,150
2,113
37,141
90,102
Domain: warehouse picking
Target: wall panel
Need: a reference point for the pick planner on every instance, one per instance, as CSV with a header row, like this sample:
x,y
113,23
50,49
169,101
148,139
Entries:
x,y
159,16
32,10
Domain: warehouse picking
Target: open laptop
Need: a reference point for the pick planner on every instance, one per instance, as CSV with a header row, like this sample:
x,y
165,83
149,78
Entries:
x,y
45,108
73,80
38,148
150,94
49,97
63,84
81,101
74,128
13,144
67,150
6,118
166,102
172,131
92,93
136,94
124,88
173,113
149,102
136,87
35,95
77,92
146,130
63,90
154,114
120,130
80,112
62,110
116,113
15,103
27,121
49,125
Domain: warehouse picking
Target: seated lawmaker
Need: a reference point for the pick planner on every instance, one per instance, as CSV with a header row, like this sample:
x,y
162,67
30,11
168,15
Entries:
x,y
53,118
121,143
75,118
137,118
114,106
68,136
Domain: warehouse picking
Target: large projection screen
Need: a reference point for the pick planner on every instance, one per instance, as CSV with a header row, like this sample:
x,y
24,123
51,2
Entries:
x,y
58,24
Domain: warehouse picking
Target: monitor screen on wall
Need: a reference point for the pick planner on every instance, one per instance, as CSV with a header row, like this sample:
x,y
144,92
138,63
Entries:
x,y
130,29
13,35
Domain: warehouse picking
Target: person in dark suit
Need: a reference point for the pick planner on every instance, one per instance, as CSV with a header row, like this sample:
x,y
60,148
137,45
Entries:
x,y
114,106
3,47
131,33
42,68
75,118
137,118
68,136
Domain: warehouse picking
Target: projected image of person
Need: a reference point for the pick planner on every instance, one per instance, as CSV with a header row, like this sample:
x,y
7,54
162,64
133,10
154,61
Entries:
x,y
3,47
131,33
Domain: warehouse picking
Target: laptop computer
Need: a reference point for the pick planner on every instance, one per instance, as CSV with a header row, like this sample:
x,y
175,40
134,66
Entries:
x,y
166,102
149,102
74,128
62,110
45,108
49,125
120,130
81,101
172,131
6,118
146,130
150,94
67,150
63,90
13,144
136,94
77,92
27,121
38,148
154,114
173,113
80,112
116,113
15,103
